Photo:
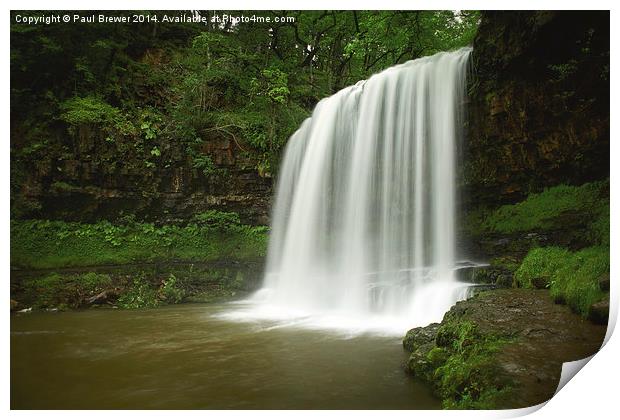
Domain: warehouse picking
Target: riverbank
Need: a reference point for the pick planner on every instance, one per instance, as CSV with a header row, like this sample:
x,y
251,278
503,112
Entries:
x,y
59,265
500,349
132,286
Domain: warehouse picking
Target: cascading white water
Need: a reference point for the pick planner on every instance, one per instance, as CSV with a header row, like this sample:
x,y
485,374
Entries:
x,y
364,218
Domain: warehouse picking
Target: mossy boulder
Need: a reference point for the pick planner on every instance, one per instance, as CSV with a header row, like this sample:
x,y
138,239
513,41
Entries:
x,y
418,363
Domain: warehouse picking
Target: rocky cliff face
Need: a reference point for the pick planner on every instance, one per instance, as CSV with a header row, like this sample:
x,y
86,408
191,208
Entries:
x,y
88,185
539,104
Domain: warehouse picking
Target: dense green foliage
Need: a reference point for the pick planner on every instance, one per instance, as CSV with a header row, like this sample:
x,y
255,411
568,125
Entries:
x,y
142,294
155,94
540,263
63,291
212,236
600,229
572,277
137,285
550,208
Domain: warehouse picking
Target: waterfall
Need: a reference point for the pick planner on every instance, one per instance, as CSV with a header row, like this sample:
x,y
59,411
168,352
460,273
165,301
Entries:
x,y
364,218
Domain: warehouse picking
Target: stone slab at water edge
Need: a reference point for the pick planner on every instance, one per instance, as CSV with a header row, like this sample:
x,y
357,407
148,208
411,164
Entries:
x,y
500,349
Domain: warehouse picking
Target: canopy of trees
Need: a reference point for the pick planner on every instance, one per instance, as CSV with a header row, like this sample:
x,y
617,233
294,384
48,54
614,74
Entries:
x,y
142,86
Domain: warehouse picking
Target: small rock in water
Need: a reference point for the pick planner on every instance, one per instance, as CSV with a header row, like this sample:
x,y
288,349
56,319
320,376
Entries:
x,y
25,310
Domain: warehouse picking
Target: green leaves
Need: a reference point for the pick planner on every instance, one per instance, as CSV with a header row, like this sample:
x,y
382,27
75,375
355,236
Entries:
x,y
273,84
203,163
170,292
209,236
139,295
217,219
151,123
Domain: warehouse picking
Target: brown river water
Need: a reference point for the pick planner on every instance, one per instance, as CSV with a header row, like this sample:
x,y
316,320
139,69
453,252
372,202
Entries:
x,y
185,357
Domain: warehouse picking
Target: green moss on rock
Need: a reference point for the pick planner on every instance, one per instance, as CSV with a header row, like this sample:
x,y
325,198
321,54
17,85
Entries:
x,y
458,363
551,208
